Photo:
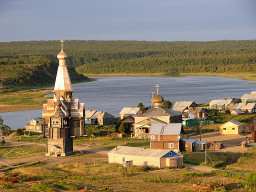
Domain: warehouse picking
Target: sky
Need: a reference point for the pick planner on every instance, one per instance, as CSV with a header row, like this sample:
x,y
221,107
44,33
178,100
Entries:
x,y
150,20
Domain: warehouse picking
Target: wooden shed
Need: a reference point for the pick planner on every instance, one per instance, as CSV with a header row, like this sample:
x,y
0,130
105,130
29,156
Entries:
x,y
232,127
136,156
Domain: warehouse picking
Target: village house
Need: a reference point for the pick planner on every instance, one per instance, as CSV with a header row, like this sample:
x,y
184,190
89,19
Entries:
x,y
221,104
249,108
166,136
154,115
35,125
232,127
249,98
63,116
196,113
135,156
181,106
93,117
129,111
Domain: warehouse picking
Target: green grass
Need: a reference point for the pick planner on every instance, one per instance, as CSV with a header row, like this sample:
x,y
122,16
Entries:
x,y
223,117
27,97
16,152
109,142
218,158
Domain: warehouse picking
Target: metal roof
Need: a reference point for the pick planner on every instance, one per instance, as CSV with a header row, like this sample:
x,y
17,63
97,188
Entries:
x,y
136,151
159,111
130,110
166,129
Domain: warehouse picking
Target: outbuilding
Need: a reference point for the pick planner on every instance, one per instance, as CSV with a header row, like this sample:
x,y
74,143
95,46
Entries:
x,y
135,156
232,127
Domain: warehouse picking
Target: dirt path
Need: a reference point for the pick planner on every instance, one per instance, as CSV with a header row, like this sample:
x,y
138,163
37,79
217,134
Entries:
x,y
35,159
200,168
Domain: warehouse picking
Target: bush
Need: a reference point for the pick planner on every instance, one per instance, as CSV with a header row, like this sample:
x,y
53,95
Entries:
x,y
19,132
41,187
124,128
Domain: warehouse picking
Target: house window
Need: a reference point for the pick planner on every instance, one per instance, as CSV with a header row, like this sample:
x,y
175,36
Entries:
x,y
37,127
171,145
153,137
224,128
123,159
233,128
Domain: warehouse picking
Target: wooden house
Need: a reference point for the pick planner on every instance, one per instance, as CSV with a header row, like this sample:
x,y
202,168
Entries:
x,y
249,108
232,127
35,125
221,104
94,117
249,98
181,106
166,136
135,156
196,113
129,111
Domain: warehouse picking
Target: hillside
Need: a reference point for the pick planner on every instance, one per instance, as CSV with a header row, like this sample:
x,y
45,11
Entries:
x,y
35,62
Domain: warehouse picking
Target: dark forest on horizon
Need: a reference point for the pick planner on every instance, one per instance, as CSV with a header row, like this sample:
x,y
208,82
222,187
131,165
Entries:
x,y
35,62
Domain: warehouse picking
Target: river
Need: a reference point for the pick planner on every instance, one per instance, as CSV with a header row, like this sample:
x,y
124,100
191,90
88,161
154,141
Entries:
x,y
111,94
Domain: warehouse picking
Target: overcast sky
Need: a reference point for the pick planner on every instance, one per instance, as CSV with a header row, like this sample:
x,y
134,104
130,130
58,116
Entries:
x,y
151,20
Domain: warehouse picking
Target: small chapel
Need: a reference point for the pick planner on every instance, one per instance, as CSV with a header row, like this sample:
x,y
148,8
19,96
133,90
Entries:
x,y
63,115
154,115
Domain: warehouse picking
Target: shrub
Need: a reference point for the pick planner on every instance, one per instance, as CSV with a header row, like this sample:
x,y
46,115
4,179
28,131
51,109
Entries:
x,y
41,187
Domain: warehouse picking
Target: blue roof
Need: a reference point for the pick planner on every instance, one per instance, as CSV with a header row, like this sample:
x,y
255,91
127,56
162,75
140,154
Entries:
x,y
173,154
190,140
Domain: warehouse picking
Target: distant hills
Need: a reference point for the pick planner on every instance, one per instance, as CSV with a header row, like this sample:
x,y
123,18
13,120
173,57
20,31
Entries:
x,y
35,62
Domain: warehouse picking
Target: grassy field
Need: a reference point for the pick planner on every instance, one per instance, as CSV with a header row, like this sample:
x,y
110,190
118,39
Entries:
x,y
11,152
22,100
246,163
83,172
214,159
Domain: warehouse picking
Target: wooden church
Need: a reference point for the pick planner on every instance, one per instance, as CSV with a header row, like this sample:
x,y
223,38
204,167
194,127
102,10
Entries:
x,y
63,116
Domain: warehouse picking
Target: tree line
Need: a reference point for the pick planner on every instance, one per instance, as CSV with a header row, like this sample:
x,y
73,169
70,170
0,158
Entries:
x,y
21,62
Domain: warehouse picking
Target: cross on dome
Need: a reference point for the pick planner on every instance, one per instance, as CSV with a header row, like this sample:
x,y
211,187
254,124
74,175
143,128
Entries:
x,y
157,86
62,42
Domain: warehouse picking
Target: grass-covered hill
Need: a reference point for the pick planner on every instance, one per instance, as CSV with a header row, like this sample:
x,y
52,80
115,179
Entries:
x,y
35,62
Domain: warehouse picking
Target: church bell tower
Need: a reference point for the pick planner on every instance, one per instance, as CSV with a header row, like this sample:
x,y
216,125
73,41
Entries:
x,y
63,115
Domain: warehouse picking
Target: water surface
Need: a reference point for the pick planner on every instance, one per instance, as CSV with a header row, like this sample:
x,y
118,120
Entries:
x,y
111,94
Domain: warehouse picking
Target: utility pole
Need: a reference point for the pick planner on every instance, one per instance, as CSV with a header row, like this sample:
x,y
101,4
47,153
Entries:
x,y
205,154
200,126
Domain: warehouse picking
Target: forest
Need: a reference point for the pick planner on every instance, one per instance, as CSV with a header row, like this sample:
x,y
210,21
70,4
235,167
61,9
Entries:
x,y
35,62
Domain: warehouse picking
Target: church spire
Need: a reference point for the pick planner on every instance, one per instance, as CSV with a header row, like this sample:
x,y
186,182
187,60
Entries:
x,y
62,82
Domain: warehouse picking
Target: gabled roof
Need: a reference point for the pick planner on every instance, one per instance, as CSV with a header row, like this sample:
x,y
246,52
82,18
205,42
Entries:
x,y
141,152
102,115
166,129
130,110
196,110
234,122
252,95
89,113
249,106
220,102
240,105
155,111
183,104
149,120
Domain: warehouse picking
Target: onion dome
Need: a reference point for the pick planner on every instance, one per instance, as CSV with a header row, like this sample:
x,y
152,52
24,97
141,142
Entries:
x,y
62,55
157,99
